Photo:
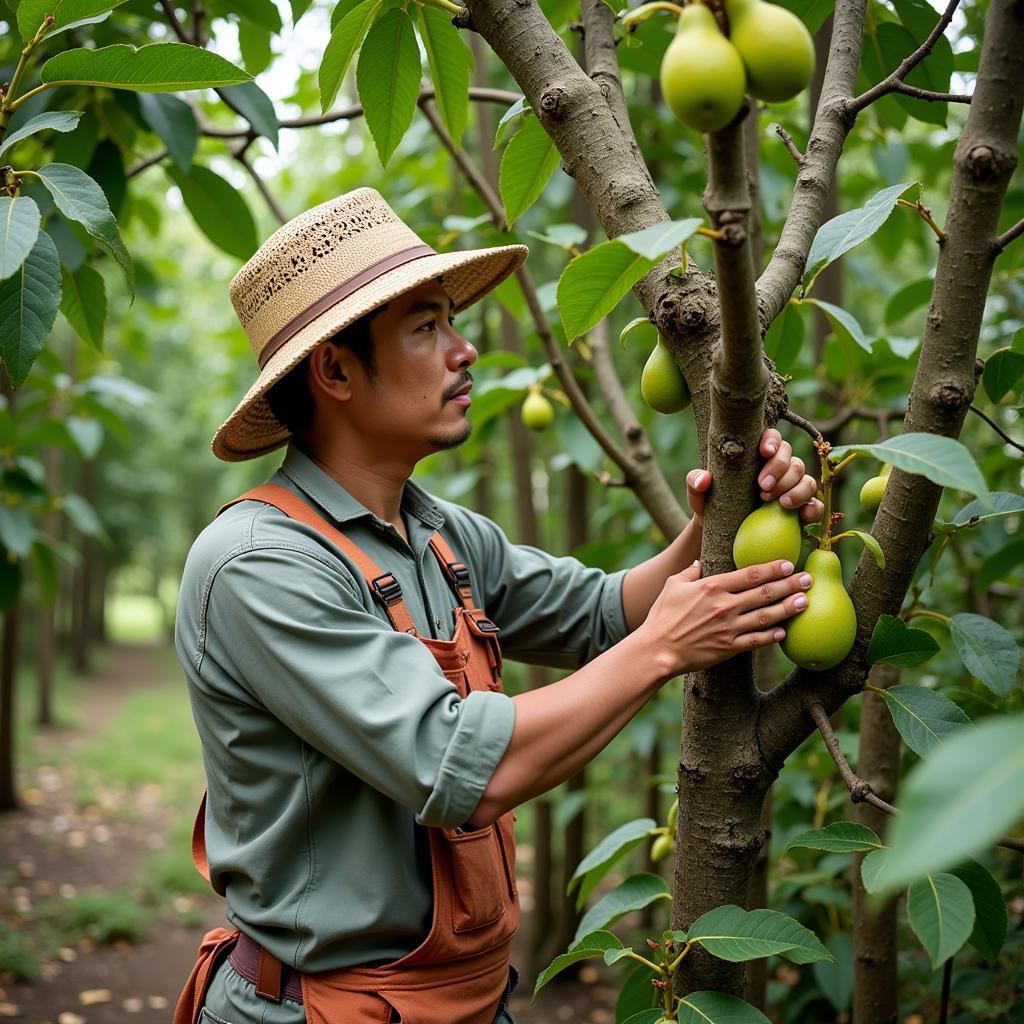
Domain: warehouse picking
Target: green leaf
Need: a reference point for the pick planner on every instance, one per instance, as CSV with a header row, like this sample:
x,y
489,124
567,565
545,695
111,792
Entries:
x,y
54,120
635,893
942,460
218,209
451,63
565,236
158,67
987,650
10,584
518,108
842,233
87,435
1001,503
17,531
845,324
935,71
591,945
299,8
732,933
594,283
84,303
923,717
653,242
909,298
894,642
31,14
80,199
527,164
173,120
941,912
813,13
1003,369
616,844
835,978
257,108
341,48
989,932
874,870
28,306
44,559
785,337
388,78
999,564
19,229
82,515
254,42
872,545
717,1008
839,837
959,800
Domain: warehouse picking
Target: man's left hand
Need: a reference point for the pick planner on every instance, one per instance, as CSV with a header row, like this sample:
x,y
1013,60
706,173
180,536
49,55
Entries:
x,y
782,477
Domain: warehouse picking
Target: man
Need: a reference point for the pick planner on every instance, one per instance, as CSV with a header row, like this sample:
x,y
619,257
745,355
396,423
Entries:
x,y
342,634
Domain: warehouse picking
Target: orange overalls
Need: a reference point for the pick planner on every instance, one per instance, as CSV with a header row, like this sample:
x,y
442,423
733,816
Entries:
x,y
458,974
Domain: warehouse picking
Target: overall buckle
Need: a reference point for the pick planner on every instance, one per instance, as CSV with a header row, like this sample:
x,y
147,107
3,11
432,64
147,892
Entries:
x,y
387,589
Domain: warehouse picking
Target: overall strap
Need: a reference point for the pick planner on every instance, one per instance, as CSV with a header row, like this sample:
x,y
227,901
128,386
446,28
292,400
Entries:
x,y
454,570
383,585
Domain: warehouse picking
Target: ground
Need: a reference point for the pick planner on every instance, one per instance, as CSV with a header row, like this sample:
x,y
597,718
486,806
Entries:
x,y
96,891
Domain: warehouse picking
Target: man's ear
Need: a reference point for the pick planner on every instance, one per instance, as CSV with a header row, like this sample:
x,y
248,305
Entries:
x,y
329,372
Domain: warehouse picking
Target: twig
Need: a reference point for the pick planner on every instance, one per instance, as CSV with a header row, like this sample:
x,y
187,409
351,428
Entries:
x,y
947,978
176,26
860,412
275,207
143,164
995,426
926,216
1008,236
794,152
856,105
803,424
929,95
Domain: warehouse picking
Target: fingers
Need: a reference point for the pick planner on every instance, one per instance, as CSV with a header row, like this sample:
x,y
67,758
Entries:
x,y
801,492
812,511
775,468
770,441
739,580
697,483
691,573
762,638
770,615
768,593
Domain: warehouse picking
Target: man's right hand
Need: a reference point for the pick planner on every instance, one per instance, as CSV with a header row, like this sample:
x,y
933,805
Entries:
x,y
695,623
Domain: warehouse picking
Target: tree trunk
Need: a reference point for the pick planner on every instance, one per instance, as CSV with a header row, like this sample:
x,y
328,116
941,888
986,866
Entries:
x,y
46,631
8,670
81,622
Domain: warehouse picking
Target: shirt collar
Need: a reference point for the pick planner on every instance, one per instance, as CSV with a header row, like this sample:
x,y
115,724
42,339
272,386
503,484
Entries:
x,y
342,506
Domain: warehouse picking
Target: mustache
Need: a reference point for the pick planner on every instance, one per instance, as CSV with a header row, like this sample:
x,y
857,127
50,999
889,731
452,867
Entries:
x,y
465,379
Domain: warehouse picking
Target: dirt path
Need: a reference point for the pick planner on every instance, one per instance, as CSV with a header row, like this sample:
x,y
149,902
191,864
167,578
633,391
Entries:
x,y
56,847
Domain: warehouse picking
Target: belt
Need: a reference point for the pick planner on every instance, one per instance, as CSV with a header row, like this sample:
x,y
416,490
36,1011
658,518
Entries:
x,y
271,978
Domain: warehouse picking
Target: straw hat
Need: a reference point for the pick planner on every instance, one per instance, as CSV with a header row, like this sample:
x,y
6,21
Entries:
x,y
321,272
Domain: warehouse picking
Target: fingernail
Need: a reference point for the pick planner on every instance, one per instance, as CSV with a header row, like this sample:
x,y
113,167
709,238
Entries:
x,y
805,580
779,634
800,602
786,500
787,567
768,482
696,562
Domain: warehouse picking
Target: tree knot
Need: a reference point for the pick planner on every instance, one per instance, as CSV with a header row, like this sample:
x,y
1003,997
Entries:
x,y
731,449
860,791
551,104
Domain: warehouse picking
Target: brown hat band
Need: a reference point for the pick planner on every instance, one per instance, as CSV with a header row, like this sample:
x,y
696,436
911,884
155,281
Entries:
x,y
335,295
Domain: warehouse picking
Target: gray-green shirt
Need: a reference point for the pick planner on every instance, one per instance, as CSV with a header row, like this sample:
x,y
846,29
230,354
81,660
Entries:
x,y
329,739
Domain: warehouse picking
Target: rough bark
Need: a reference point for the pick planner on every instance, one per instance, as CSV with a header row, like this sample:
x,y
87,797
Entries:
x,y
8,668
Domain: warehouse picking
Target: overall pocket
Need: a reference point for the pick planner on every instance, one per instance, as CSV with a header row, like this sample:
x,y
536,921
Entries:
x,y
478,877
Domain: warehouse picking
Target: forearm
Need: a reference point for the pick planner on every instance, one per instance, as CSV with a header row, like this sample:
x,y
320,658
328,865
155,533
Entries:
x,y
561,727
644,582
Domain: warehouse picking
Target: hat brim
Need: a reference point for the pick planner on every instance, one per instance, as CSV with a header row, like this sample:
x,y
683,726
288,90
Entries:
x,y
253,430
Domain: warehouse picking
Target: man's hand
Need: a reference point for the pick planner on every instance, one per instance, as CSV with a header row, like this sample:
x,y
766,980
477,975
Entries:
x,y
782,477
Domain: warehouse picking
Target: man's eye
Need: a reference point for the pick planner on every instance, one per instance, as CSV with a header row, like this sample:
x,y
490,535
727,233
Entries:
x,y
429,325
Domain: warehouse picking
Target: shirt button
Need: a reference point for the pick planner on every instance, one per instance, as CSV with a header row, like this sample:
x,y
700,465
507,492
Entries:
x,y
438,621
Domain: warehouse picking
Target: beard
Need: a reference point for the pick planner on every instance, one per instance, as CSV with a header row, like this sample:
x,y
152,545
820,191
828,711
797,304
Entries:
x,y
458,436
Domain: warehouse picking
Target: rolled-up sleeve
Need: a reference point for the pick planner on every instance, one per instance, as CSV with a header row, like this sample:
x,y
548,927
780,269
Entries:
x,y
372,699
552,611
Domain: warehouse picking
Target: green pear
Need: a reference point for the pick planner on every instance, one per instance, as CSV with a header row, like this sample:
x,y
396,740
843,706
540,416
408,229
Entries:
x,y
536,411
662,847
776,48
662,385
768,533
822,634
871,492
702,76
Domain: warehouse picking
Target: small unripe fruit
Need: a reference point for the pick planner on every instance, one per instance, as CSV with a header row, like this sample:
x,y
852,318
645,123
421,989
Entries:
x,y
673,815
775,46
662,385
662,847
537,412
822,634
770,532
873,489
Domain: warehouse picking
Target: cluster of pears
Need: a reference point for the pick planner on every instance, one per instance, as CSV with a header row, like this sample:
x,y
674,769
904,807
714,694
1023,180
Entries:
x,y
822,634
704,74
661,384
536,411
665,845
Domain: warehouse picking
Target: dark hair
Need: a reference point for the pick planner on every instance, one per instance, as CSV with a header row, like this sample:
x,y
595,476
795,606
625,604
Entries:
x,y
290,400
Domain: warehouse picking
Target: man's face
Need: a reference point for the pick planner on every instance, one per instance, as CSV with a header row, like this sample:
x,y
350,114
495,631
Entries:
x,y
422,361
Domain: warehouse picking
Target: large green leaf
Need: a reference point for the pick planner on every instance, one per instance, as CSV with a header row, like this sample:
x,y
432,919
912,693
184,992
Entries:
x,y
256,107
594,283
451,64
19,229
635,893
989,932
896,643
158,67
958,800
218,209
54,120
1003,369
941,912
173,120
527,164
31,14
29,300
835,977
616,844
988,651
844,323
1001,503
592,944
732,933
341,48
80,199
388,79
17,530
842,233
84,303
839,837
942,460
999,564
785,337
874,870
717,1008
653,242
923,717
908,299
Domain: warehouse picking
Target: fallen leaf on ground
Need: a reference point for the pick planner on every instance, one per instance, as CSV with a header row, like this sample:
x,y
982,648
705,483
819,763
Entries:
x,y
92,996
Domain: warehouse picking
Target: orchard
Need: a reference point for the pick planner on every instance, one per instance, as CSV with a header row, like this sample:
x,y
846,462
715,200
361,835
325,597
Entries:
x,y
741,215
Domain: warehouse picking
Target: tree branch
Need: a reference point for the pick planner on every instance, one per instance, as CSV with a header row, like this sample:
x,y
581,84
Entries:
x,y
995,426
894,82
803,424
176,26
1008,236
929,95
271,200
149,161
794,152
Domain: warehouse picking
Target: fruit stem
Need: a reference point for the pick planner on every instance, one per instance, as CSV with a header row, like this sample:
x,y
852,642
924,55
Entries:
x,y
644,11
926,614
650,963
840,536
718,236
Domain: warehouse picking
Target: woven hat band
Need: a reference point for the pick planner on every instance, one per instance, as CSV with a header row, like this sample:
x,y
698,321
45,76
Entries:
x,y
336,295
